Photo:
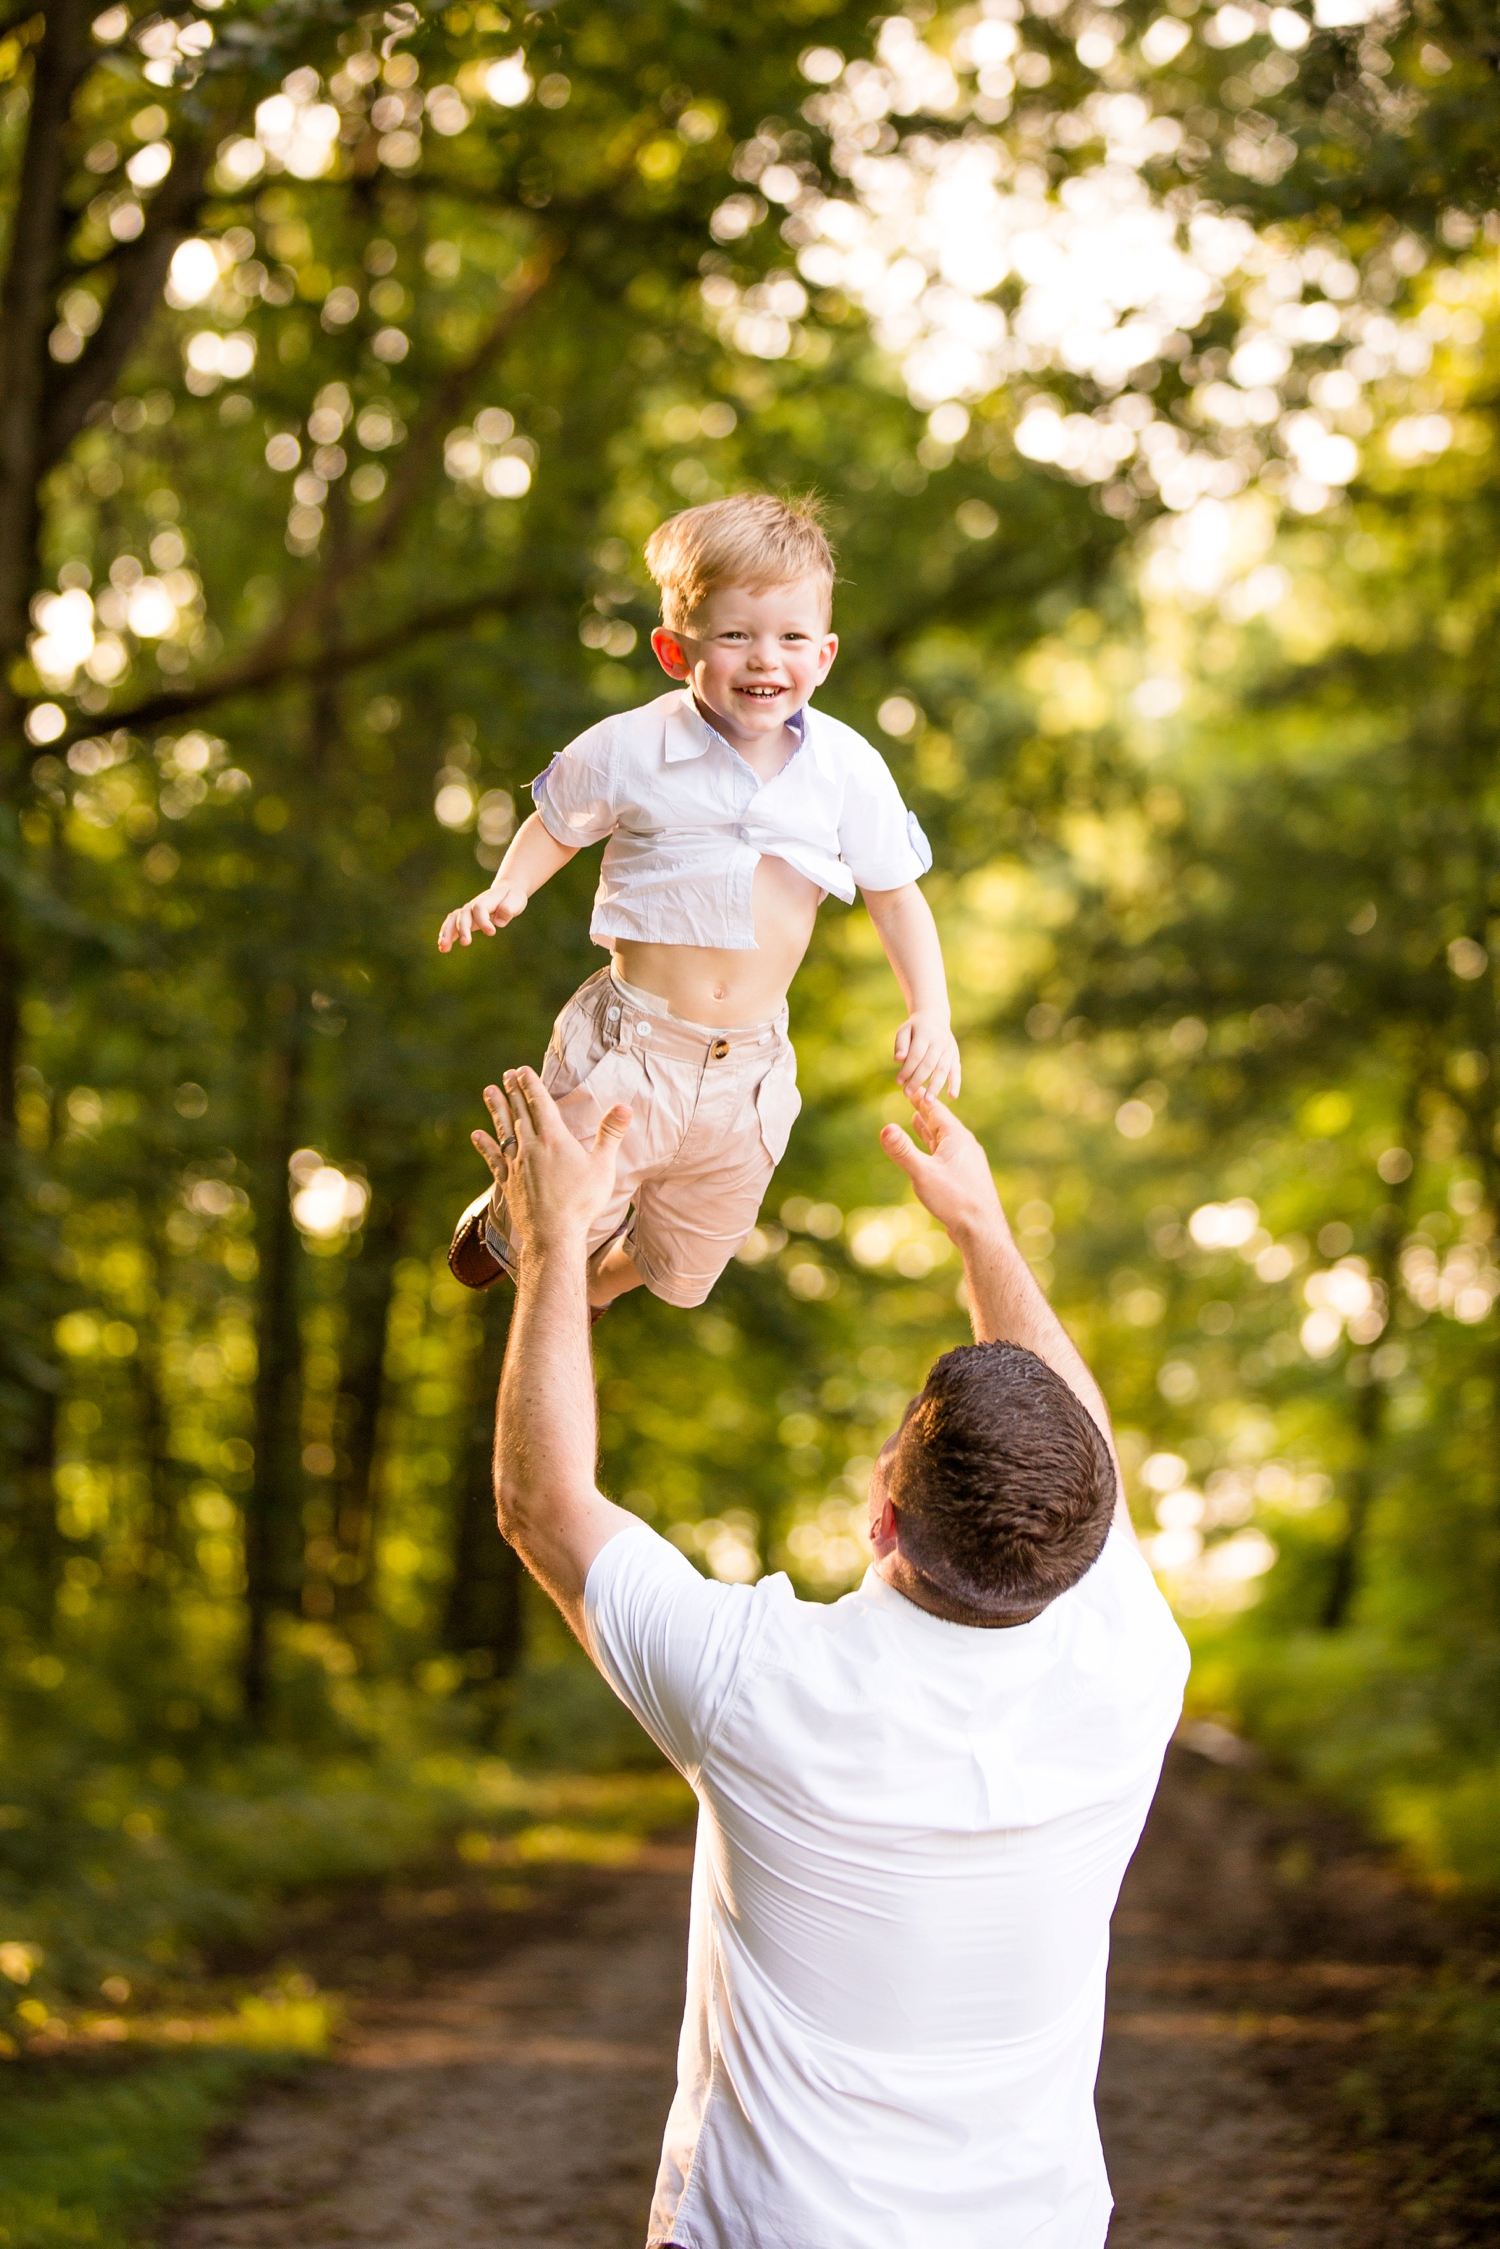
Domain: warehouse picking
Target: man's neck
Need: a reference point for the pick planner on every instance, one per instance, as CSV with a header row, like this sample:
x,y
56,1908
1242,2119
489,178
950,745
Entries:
x,y
898,1573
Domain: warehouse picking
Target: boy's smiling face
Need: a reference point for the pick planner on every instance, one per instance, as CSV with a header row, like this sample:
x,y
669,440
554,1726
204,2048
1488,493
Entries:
x,y
752,657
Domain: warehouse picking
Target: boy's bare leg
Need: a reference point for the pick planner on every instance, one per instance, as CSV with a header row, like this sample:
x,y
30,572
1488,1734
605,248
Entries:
x,y
612,1272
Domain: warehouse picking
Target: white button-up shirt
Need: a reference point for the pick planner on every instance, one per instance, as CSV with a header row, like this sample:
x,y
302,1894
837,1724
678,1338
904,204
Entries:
x,y
688,821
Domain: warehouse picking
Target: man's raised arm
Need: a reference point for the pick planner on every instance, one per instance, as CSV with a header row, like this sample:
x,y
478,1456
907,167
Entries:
x,y
546,1430
953,1180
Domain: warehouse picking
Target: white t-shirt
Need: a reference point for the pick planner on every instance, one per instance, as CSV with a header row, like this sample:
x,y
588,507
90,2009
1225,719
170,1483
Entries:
x,y
910,1842
688,820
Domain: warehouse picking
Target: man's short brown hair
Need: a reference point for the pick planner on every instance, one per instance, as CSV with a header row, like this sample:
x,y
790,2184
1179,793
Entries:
x,y
1002,1483
753,540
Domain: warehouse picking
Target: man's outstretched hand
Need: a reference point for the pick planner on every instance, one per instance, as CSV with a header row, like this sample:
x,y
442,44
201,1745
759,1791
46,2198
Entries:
x,y
555,1186
952,1178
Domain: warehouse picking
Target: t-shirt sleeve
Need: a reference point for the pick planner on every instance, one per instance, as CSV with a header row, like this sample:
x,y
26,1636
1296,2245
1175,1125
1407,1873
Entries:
x,y
576,795
673,1645
880,842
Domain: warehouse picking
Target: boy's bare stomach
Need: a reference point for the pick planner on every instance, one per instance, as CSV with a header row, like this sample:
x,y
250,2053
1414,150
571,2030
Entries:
x,y
706,984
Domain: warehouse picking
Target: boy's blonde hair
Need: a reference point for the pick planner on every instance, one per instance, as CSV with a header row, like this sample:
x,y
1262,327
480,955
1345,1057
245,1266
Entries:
x,y
753,540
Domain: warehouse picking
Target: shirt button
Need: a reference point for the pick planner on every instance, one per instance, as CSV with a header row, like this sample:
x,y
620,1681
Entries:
x,y
643,1030
613,1015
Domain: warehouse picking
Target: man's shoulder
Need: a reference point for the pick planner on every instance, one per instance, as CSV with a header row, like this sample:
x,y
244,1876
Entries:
x,y
677,1647
654,1570
1116,1606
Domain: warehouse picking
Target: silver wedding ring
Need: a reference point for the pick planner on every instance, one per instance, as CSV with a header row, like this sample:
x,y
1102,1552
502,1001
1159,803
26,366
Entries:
x,y
508,1145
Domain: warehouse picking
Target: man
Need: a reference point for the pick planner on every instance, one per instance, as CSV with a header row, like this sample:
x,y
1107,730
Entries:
x,y
917,1803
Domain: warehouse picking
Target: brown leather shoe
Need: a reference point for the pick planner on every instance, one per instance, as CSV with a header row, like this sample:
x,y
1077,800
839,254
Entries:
x,y
470,1257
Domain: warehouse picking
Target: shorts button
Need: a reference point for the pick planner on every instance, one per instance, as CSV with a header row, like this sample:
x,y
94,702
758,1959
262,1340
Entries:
x,y
719,1049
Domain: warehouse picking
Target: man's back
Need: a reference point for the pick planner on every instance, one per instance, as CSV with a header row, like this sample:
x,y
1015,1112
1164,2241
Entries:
x,y
913,1835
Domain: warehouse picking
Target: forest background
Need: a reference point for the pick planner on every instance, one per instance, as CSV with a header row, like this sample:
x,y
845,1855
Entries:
x,y
1147,360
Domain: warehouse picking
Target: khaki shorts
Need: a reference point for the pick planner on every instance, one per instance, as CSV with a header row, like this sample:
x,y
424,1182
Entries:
x,y
713,1112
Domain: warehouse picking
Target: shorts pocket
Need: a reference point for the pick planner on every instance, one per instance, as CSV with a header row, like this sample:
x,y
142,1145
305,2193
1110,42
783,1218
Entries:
x,y
574,1051
575,1046
778,1105
587,1092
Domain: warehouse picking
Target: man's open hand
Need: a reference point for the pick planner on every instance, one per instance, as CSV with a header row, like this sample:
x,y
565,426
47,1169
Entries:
x,y
555,1186
953,1179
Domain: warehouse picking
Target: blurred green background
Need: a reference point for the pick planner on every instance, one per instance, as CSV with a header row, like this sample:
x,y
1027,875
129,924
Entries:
x,y
1147,361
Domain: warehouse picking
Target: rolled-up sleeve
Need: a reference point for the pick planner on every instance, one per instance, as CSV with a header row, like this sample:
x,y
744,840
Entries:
x,y
576,795
672,1644
880,842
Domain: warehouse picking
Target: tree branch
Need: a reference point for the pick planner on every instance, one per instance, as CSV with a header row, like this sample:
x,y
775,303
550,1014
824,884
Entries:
x,y
274,658
265,668
294,648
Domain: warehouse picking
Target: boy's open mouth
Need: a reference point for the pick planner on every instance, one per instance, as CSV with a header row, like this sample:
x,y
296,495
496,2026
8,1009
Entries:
x,y
761,694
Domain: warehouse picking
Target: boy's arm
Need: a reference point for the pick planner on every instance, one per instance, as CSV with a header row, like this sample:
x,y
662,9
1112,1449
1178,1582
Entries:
x,y
533,858
1005,1303
926,1050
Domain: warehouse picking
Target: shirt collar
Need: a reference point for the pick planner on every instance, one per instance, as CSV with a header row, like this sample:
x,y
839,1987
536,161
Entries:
x,y
689,733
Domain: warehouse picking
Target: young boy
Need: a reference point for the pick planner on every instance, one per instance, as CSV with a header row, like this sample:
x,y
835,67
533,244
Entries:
x,y
732,809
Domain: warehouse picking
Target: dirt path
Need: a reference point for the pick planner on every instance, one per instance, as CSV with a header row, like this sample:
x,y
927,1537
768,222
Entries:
x,y
1251,1944
510,2102
508,2071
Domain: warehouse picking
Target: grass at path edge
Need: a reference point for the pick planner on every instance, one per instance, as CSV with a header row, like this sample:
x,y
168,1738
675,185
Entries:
x,y
86,2164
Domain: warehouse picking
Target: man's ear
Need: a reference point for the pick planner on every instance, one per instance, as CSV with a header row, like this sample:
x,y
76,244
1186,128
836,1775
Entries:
x,y
883,1539
669,653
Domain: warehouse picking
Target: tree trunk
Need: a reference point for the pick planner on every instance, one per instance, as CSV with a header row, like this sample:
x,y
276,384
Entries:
x,y
367,1301
1370,1405
272,1513
1369,1419
29,1380
41,221
170,1530
485,1617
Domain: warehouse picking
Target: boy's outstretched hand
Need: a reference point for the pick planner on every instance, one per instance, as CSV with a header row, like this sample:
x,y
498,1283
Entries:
x,y
489,913
927,1055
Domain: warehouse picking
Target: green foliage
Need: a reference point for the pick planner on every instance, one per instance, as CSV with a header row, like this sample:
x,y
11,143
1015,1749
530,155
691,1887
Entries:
x,y
83,2163
1210,794
1205,751
138,1880
135,1870
1432,2099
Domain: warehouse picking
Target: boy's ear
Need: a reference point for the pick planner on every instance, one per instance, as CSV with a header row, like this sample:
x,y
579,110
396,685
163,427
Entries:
x,y
669,653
